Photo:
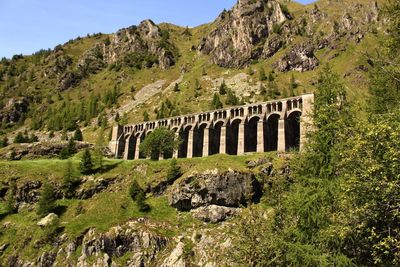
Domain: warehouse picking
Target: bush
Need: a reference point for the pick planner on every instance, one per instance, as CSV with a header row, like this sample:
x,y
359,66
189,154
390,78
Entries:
x,y
4,142
47,201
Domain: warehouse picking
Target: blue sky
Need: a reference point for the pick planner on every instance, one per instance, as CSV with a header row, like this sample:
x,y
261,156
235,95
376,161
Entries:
x,y
27,26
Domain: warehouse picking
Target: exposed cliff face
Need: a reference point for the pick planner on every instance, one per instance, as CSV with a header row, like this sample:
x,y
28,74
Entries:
x,y
137,47
147,39
241,33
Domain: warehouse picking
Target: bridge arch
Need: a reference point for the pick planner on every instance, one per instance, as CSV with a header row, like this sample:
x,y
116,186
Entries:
x,y
232,136
198,140
292,130
251,134
184,135
271,132
215,138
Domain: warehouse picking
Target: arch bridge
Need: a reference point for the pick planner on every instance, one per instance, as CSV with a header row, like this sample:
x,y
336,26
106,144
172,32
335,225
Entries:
x,y
278,125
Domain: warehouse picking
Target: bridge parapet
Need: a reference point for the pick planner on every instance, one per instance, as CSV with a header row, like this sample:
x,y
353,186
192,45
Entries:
x,y
254,127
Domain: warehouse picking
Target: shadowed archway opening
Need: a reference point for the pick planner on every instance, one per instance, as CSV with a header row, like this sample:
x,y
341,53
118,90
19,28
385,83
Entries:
x,y
198,141
120,147
271,133
215,138
292,131
250,135
183,148
232,135
131,141
141,154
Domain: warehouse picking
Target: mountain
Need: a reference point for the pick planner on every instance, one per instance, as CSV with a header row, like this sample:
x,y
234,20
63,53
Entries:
x,y
260,49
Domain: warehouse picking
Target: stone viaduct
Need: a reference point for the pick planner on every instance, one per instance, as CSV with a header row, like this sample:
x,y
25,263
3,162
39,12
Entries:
x,y
278,125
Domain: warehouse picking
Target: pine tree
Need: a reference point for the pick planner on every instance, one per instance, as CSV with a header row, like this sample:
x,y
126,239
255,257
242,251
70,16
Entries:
x,y
78,135
216,102
293,85
70,182
47,200
231,99
141,202
223,88
86,165
98,149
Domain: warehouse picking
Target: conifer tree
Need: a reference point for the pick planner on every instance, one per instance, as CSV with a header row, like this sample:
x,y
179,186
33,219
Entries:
x,y
223,88
86,165
69,180
216,102
78,135
146,116
174,171
262,76
47,200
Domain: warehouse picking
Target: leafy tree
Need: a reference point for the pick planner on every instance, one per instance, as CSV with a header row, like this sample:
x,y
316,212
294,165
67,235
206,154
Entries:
x,y
216,102
47,200
86,164
223,88
174,171
70,182
370,167
160,142
78,135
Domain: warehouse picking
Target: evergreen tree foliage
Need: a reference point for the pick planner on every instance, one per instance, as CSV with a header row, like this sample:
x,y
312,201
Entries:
x,y
160,142
70,182
231,99
223,88
86,164
216,102
4,142
78,135
47,200
98,149
174,171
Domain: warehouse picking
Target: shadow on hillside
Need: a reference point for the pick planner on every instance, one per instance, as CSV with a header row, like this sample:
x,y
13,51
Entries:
x,y
60,210
107,167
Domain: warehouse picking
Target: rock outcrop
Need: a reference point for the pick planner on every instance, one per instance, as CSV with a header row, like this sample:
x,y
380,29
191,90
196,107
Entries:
x,y
230,189
14,110
139,46
300,58
214,213
146,43
241,34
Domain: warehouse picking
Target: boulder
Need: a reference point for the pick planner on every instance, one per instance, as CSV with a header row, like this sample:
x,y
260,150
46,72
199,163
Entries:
x,y
214,213
48,220
230,189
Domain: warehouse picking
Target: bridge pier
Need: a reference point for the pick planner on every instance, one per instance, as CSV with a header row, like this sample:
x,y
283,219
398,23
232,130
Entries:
x,y
240,148
222,142
206,142
260,136
190,144
281,136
